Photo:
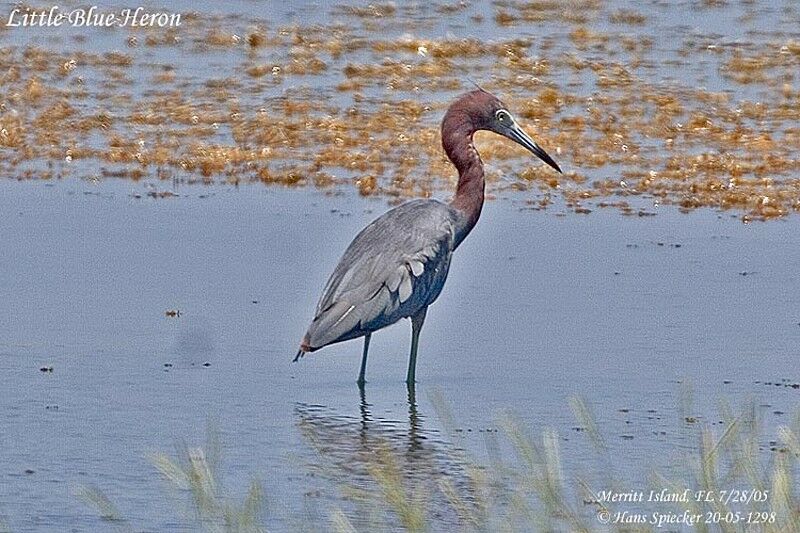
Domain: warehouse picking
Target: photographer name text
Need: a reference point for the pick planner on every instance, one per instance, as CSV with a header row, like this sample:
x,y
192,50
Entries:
x,y
91,17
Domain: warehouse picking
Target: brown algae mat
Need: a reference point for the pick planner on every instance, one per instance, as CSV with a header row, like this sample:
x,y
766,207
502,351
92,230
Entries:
x,y
640,108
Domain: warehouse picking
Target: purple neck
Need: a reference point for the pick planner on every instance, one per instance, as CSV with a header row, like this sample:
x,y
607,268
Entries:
x,y
457,131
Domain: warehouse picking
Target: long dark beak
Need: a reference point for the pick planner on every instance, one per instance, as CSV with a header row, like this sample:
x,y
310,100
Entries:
x,y
516,134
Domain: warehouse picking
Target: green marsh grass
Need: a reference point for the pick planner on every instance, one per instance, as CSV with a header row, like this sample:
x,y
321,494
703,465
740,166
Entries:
x,y
194,474
529,491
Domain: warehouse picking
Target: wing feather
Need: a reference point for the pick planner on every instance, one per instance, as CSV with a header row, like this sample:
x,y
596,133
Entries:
x,y
404,291
395,278
417,267
394,267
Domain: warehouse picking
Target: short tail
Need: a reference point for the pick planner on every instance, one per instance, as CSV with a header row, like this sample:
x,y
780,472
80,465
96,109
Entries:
x,y
304,349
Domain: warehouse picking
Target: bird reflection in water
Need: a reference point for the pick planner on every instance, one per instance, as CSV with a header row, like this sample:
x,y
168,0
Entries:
x,y
365,455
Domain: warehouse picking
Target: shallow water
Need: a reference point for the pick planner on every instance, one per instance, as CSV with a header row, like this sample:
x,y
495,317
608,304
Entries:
x,y
640,103
629,313
537,309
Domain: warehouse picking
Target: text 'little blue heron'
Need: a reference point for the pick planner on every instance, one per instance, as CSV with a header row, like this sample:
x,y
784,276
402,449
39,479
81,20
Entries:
x,y
396,266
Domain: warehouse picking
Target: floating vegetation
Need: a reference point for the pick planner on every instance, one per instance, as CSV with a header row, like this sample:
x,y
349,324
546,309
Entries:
x,y
238,99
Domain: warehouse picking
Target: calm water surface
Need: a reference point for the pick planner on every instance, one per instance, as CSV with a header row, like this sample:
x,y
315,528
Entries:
x,y
537,309
626,312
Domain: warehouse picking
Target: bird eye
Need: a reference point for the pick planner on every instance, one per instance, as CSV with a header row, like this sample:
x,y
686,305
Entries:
x,y
502,116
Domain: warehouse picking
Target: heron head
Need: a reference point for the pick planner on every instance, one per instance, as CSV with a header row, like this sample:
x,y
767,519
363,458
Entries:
x,y
484,111
481,110
503,123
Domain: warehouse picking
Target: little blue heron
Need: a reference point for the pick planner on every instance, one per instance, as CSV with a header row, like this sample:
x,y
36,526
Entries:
x,y
396,266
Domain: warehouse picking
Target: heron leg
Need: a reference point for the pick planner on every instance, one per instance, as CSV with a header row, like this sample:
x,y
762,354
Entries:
x,y
363,372
416,326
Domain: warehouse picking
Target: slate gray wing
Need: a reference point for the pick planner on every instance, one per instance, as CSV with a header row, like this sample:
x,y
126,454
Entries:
x,y
394,267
